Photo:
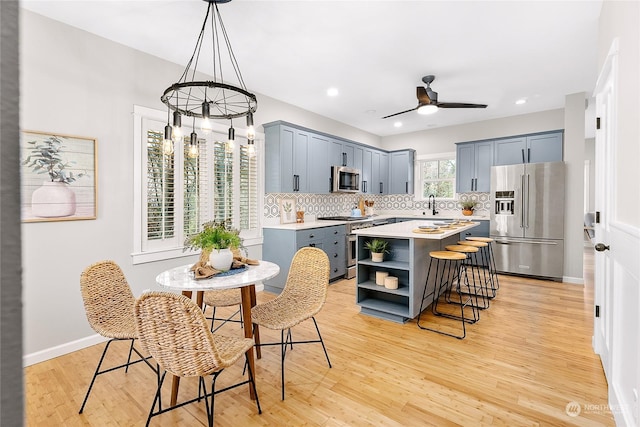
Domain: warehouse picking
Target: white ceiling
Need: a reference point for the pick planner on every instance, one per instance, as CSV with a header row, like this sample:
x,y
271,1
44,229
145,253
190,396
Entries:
x,y
374,52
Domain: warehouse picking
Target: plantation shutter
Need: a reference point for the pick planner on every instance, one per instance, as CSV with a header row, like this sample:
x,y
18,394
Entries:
x,y
248,189
222,182
160,189
196,204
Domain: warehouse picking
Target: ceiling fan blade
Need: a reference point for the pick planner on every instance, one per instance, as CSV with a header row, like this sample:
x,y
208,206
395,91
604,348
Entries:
x,y
402,112
423,97
459,105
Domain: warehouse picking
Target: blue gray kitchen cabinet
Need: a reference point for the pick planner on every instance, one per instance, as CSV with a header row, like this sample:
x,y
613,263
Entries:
x,y
401,172
344,154
384,173
366,183
534,148
280,245
473,166
318,167
296,160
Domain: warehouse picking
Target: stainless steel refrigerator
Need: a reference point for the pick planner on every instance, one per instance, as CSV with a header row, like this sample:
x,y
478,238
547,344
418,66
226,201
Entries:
x,y
527,219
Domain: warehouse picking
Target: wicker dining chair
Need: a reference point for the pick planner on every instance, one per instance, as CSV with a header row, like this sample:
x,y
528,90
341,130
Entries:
x,y
303,296
108,304
173,329
223,298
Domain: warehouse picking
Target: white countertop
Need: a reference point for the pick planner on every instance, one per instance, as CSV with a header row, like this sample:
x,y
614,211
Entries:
x,y
404,230
322,223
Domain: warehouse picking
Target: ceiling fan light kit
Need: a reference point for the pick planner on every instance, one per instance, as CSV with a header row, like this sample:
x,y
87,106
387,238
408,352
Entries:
x,y
428,100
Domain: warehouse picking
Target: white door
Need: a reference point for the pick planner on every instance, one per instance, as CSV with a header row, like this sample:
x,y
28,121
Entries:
x,y
605,94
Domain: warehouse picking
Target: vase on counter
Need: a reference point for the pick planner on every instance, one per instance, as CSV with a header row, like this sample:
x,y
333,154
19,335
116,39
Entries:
x,y
467,212
221,259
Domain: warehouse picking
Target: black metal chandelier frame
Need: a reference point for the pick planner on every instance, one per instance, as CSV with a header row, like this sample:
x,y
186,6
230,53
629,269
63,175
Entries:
x,y
211,99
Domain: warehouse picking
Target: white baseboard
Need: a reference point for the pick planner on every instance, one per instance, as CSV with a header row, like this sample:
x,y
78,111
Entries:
x,y
573,280
70,347
62,349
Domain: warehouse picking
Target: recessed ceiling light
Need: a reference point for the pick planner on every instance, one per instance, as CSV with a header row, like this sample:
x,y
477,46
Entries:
x,y
521,101
397,124
332,91
370,112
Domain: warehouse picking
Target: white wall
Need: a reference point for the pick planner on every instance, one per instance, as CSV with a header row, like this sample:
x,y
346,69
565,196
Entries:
x,y
441,140
77,83
590,156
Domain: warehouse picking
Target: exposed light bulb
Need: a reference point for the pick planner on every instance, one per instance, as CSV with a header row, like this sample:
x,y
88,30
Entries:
x,y
177,126
205,126
167,143
231,142
251,132
193,146
251,148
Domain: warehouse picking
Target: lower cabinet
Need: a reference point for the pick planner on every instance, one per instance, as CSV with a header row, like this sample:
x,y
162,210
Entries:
x,y
408,260
281,245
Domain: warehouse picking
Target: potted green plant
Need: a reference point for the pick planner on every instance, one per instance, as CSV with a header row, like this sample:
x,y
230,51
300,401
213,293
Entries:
x,y
468,206
378,248
218,239
54,198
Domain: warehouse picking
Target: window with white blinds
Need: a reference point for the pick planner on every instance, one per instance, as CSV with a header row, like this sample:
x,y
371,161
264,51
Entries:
x,y
177,193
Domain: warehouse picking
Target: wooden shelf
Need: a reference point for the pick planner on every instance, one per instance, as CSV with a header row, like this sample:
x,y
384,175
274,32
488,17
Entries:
x,y
388,307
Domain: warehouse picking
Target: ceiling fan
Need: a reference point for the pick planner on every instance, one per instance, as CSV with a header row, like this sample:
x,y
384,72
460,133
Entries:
x,y
428,100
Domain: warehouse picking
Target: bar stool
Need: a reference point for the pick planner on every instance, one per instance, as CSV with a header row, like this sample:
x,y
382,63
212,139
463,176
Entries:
x,y
469,265
447,270
493,272
483,254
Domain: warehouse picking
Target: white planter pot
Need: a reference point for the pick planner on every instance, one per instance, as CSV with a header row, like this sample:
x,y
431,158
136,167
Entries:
x,y
377,256
52,200
221,259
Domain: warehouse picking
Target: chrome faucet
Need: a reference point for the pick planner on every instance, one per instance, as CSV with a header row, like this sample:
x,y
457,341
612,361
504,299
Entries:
x,y
432,206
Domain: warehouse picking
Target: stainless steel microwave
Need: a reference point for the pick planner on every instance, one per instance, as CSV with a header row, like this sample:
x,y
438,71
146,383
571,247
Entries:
x,y
345,180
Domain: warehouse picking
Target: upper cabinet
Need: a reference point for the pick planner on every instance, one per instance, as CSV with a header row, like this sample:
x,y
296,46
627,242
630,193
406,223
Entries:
x,y
299,160
544,147
296,161
401,172
473,166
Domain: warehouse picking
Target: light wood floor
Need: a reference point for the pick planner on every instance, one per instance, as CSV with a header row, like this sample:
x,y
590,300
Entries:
x,y
527,358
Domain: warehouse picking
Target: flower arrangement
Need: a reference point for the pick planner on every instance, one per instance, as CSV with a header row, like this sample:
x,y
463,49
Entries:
x,y
215,235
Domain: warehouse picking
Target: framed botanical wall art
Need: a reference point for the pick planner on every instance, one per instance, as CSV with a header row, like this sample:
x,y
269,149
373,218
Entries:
x,y
287,211
58,177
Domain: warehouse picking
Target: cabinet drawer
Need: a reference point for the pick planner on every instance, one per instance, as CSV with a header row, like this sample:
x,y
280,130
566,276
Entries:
x,y
336,230
303,237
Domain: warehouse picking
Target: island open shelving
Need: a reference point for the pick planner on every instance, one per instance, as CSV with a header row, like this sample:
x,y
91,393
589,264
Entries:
x,y
408,260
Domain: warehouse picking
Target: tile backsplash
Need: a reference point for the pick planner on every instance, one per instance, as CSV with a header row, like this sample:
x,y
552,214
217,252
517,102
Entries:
x,y
341,204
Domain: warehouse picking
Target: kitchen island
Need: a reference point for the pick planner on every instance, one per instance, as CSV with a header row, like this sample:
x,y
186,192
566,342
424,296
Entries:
x,y
408,260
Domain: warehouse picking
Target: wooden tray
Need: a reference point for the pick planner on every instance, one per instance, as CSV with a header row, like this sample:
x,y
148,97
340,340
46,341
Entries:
x,y
425,231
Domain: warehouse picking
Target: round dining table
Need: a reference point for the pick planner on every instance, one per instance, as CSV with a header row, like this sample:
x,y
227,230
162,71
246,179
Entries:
x,y
183,279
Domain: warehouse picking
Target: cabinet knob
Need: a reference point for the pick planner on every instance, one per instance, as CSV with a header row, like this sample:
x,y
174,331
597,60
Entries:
x,y
335,243
335,255
335,270
312,245
312,236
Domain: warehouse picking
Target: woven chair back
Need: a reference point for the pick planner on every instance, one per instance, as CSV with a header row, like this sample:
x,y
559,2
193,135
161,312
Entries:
x,y
174,331
108,300
308,280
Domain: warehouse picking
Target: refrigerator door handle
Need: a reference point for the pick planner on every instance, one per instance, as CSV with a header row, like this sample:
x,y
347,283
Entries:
x,y
522,201
527,212
528,242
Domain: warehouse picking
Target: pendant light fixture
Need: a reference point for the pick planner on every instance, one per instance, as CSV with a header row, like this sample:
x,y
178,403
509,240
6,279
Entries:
x,y
211,99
